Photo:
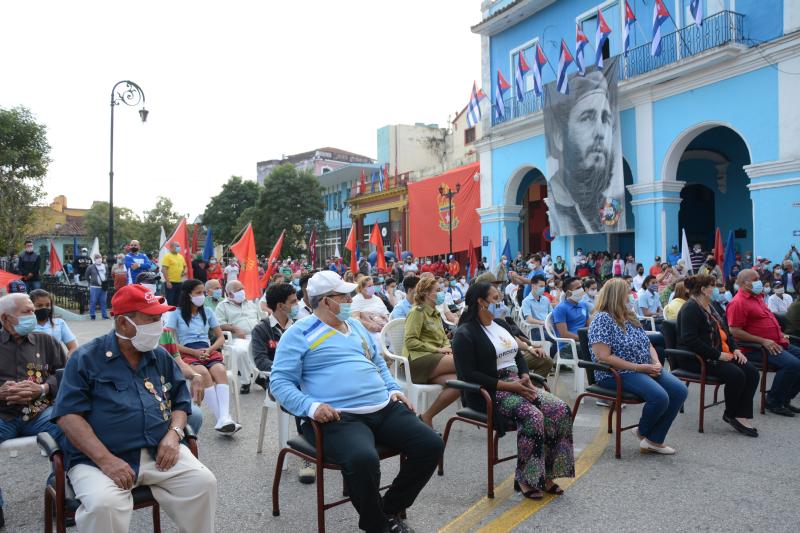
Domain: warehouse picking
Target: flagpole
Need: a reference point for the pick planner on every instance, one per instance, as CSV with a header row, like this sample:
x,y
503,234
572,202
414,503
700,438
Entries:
x,y
678,31
241,231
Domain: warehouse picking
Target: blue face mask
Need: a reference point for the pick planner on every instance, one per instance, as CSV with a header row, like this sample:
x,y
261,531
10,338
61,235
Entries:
x,y
293,311
216,294
758,287
344,312
380,281
539,291
652,288
439,298
296,282
25,325
715,293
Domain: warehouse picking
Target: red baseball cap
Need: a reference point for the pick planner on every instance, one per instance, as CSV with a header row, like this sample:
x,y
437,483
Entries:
x,y
132,298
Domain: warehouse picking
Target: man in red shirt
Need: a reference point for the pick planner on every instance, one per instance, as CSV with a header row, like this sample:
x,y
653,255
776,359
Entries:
x,y
655,268
426,266
751,321
453,267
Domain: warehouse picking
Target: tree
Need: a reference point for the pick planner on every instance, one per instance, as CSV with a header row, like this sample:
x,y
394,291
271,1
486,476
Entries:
x,y
291,201
24,157
224,209
127,225
163,214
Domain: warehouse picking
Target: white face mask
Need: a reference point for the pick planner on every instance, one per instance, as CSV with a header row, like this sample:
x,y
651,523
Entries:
x,y
198,301
146,337
238,296
577,294
150,287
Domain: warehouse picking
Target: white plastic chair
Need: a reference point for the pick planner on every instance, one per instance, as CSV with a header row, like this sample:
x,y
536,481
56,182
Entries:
x,y
231,371
393,334
573,363
650,319
12,446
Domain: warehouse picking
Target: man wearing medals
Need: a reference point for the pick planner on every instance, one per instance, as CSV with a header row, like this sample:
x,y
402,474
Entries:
x,y
28,362
122,405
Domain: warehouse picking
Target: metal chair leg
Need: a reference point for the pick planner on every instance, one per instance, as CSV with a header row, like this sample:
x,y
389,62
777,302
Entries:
x,y
490,454
156,518
262,428
48,512
446,436
702,406
276,510
618,409
320,498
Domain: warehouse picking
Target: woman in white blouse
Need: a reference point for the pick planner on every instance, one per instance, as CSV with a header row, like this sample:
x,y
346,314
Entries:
x,y
368,308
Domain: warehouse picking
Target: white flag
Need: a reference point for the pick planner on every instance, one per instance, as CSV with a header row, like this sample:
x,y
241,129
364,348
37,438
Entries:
x,y
95,248
336,251
687,260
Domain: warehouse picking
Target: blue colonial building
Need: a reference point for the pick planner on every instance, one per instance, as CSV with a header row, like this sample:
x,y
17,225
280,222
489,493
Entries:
x,y
710,129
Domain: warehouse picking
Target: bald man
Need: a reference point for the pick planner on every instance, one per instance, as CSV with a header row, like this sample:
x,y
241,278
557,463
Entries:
x,y
751,321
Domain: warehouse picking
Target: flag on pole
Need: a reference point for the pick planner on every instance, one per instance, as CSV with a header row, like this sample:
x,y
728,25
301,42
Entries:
x,y
398,249
336,252
386,177
499,99
600,37
730,255
630,19
474,107
564,61
581,40
472,259
696,8
352,245
7,277
660,15
75,245
245,251
181,236
363,184
272,261
195,237
719,251
539,61
687,259
376,239
55,261
95,247
208,247
521,69
312,247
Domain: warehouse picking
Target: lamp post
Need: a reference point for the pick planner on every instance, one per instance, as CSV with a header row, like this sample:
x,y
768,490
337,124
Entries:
x,y
449,193
131,94
340,208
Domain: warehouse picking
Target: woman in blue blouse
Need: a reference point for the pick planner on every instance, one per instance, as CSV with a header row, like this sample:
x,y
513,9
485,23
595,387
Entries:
x,y
617,339
45,323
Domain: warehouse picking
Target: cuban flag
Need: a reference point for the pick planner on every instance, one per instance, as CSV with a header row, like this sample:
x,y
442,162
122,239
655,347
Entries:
x,y
563,64
696,8
521,69
660,15
581,40
473,108
630,18
600,37
499,100
539,61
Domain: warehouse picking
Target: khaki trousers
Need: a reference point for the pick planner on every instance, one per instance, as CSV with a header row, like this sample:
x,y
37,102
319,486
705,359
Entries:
x,y
187,492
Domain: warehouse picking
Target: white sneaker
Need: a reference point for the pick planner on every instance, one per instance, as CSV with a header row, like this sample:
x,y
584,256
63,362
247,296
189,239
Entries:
x,y
226,425
646,447
307,473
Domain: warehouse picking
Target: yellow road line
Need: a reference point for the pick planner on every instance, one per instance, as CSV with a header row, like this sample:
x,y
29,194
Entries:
x,y
526,508
480,510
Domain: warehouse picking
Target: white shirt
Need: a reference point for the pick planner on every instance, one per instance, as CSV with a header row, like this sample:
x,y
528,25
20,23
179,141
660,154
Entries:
x,y
637,281
304,311
511,290
779,303
505,345
410,267
232,272
372,305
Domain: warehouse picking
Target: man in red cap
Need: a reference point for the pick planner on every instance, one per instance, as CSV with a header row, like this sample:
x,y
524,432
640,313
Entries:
x,y
122,405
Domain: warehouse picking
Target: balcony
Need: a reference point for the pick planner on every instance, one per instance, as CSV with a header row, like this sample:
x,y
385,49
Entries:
x,y
720,29
395,182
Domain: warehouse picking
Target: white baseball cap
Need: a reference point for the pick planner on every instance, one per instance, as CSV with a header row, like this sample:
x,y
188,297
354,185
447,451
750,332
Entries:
x,y
328,281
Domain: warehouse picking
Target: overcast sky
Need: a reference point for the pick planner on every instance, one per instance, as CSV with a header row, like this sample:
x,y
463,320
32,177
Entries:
x,y
227,84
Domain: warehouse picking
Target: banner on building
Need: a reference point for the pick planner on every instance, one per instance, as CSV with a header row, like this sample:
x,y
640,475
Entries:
x,y
429,212
586,188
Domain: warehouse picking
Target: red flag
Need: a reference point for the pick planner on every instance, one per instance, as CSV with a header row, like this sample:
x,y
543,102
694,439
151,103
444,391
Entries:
x,y
376,239
719,251
181,236
398,249
312,247
7,277
245,251
363,186
273,260
386,177
55,261
195,231
351,245
473,261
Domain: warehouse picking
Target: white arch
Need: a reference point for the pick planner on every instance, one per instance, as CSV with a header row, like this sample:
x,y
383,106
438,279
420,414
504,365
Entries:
x,y
513,183
669,169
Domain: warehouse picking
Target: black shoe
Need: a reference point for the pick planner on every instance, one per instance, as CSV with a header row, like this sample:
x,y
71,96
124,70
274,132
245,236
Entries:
x,y
2,518
792,408
244,389
397,525
738,426
780,410
262,382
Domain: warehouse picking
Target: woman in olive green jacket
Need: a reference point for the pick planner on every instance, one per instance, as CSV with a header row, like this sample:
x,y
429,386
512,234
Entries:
x,y
427,347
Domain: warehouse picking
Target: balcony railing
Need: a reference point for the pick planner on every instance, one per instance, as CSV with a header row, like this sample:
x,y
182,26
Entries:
x,y
725,27
401,180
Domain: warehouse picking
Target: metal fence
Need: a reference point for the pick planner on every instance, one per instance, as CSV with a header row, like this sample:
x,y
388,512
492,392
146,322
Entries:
x,y
71,296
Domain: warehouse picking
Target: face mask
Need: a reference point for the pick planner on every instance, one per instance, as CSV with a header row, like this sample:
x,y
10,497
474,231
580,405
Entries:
x,y
652,288
592,292
146,337
631,299
212,262
779,272
98,261
462,281
42,314
539,291
198,301
119,261
216,294
296,282
25,324
371,290
577,294
239,296
380,281
177,249
696,249
134,249
293,311
428,262
344,312
439,298
453,283
29,250
715,293
758,287
779,292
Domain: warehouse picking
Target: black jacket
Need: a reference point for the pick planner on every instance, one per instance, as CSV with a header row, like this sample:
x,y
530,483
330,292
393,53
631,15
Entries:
x,y
698,333
264,342
29,263
475,360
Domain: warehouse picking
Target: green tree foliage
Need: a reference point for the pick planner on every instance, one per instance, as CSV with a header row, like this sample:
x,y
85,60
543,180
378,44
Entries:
x,y
127,226
163,214
224,209
24,157
290,200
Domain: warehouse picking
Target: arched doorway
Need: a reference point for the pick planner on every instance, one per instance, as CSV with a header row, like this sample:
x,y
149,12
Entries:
x,y
530,195
716,194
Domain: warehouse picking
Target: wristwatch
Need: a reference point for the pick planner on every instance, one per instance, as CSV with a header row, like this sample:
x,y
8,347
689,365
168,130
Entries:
x,y
44,392
179,431
195,375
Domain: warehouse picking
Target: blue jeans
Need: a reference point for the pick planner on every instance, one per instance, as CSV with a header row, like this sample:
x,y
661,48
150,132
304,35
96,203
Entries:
x,y
663,397
16,427
97,295
195,419
786,384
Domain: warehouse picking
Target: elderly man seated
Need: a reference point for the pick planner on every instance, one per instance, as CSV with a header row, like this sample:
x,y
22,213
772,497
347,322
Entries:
x,y
327,367
28,362
123,405
239,316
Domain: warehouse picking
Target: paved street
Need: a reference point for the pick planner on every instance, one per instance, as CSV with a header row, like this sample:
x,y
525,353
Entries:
x,y
718,481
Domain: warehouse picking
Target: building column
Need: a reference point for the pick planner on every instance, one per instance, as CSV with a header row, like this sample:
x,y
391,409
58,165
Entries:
x,y
655,207
499,223
775,192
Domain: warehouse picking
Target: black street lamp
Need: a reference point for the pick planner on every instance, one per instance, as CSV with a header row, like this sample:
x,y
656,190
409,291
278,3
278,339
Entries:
x,y
340,207
131,94
449,193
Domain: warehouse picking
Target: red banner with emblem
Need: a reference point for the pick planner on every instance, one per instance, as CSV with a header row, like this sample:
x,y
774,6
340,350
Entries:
x,y
428,210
